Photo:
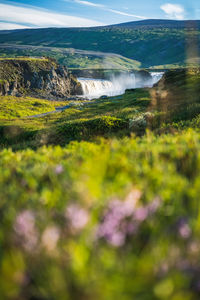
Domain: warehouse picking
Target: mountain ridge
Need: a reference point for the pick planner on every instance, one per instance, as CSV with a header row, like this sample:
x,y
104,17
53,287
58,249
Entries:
x,y
146,22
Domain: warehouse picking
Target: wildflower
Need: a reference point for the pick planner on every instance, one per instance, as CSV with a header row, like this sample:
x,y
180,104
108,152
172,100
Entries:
x,y
123,218
50,238
184,231
118,221
117,239
25,228
59,169
77,216
183,228
141,214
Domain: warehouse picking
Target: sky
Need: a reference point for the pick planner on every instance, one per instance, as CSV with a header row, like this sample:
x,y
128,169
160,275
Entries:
x,y
17,14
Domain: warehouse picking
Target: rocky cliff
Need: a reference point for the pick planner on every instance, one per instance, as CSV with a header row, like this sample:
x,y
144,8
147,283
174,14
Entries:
x,y
42,78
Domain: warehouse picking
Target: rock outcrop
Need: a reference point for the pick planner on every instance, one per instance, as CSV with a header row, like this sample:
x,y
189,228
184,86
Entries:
x,y
42,78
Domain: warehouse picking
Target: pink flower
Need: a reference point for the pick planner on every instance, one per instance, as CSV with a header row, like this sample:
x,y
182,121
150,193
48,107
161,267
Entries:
x,y
25,228
118,222
123,218
141,214
59,169
50,238
77,216
117,239
184,231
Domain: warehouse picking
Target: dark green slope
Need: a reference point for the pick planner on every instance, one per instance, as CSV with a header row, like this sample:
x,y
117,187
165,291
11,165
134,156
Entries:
x,y
152,42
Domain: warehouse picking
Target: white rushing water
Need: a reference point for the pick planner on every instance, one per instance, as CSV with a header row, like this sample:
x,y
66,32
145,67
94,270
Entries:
x,y
156,76
94,88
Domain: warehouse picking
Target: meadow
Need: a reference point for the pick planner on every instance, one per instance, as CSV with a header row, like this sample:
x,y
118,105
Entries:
x,y
101,201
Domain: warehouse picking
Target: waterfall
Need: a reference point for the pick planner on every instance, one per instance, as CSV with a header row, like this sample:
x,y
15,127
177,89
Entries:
x,y
96,87
156,76
116,85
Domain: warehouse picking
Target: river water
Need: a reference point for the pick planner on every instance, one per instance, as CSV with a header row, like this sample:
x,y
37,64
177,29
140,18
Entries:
x,y
116,85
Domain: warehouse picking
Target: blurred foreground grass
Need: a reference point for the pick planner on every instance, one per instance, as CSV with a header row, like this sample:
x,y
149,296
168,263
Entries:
x,y
108,220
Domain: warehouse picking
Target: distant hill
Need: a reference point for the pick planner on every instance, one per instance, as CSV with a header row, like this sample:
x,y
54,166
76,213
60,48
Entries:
x,y
156,23
151,42
72,58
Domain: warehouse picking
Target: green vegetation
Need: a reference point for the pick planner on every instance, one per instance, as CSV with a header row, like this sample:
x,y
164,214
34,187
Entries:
x,y
81,121
19,107
108,207
12,69
147,42
55,204
70,57
3,58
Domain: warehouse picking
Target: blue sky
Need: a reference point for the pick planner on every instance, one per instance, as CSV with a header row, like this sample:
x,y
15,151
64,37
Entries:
x,y
77,13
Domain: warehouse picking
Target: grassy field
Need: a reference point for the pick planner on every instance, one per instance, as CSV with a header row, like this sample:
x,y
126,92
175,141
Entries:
x,y
101,201
82,120
20,107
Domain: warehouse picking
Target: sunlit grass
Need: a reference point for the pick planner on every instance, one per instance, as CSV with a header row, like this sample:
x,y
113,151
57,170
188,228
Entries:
x,y
21,107
25,58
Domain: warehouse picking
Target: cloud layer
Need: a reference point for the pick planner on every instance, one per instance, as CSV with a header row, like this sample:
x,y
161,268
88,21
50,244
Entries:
x,y
87,3
23,17
106,8
174,11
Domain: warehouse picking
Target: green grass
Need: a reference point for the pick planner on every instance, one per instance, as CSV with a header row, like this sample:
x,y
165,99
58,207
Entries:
x,y
76,123
20,107
36,187
107,208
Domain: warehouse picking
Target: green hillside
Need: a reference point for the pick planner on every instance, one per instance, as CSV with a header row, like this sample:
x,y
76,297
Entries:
x,y
151,42
72,58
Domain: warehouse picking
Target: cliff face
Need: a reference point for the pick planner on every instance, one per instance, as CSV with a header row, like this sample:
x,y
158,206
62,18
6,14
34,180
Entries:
x,y
39,78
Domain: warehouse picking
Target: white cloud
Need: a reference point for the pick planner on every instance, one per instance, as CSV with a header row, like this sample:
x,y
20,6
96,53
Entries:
x,y
40,18
173,11
87,3
4,26
125,14
104,7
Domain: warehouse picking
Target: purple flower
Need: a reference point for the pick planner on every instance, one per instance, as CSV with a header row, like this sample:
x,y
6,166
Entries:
x,y
141,214
123,218
117,239
117,220
184,231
